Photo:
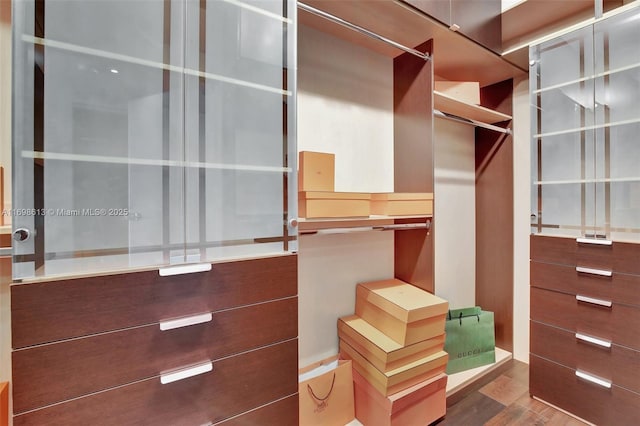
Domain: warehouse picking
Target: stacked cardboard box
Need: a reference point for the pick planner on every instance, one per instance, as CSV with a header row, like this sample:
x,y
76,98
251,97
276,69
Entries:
x,y
396,341
317,197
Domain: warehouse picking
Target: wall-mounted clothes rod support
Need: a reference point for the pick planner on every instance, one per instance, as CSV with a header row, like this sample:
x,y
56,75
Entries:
x,y
361,30
470,122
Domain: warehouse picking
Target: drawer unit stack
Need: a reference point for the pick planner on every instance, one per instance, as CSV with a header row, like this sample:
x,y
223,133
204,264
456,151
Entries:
x,y
585,327
204,348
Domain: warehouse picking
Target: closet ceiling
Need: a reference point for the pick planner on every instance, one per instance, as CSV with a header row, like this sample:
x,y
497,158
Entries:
x,y
455,57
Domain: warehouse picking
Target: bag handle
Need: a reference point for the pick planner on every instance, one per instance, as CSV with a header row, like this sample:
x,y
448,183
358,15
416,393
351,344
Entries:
x,y
460,316
313,394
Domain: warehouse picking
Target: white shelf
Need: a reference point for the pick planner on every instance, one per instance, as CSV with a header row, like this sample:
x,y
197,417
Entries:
x,y
102,159
580,181
449,105
592,77
585,128
359,224
151,64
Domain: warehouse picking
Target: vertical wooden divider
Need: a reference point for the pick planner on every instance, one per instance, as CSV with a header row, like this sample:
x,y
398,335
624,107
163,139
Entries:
x,y
413,159
494,215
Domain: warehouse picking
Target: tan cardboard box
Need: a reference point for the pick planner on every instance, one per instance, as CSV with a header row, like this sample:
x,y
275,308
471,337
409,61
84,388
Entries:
x,y
333,204
316,171
405,313
402,204
421,404
399,379
379,349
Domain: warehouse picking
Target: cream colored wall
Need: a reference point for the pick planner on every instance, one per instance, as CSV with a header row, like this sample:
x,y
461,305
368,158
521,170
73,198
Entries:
x,y
521,217
345,106
455,206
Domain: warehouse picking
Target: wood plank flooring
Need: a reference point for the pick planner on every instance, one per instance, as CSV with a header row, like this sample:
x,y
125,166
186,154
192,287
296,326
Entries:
x,y
505,401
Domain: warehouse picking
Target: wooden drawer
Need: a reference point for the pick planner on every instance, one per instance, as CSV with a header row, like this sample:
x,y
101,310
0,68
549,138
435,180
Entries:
x,y
56,372
617,364
618,257
560,386
619,288
56,310
236,384
279,413
619,324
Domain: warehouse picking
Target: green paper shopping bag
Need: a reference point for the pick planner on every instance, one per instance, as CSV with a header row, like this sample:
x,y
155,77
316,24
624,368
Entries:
x,y
470,340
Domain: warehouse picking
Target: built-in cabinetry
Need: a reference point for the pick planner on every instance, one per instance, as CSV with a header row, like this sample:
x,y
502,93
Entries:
x,y
480,21
151,133
585,310
454,58
154,265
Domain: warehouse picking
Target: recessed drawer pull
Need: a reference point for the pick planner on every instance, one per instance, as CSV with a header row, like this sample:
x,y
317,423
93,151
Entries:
x,y
594,340
186,321
593,301
184,269
596,241
185,373
591,271
593,379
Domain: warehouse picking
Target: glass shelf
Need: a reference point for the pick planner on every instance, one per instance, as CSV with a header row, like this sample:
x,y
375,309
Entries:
x,y
151,64
633,67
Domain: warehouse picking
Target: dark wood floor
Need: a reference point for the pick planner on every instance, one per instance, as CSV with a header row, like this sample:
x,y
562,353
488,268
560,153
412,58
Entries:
x,y
505,401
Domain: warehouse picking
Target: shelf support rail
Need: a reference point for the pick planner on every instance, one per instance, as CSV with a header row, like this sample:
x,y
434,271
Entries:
x,y
470,122
361,30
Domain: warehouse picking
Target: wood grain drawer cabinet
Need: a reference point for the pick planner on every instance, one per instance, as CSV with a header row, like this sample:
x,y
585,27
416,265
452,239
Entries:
x,y
235,385
617,364
618,257
617,287
56,372
619,323
56,310
560,386
280,413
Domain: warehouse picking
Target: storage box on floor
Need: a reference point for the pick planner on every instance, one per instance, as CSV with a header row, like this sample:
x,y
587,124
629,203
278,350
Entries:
x,y
396,341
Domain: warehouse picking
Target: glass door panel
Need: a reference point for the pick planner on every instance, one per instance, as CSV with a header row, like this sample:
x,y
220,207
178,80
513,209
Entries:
x,y
563,148
238,132
617,90
98,122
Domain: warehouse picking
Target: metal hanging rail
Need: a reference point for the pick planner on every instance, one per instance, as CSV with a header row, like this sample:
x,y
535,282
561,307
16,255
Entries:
x,y
470,122
361,30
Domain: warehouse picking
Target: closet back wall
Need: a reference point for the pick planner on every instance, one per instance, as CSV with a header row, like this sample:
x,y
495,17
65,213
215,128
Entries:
x,y
345,106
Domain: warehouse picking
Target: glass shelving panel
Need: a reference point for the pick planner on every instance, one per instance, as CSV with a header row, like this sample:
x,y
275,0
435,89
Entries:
x,y
143,139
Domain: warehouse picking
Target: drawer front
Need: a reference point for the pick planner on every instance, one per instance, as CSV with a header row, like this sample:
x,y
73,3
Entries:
x,y
617,364
56,372
561,387
56,310
236,384
279,413
618,257
619,324
619,288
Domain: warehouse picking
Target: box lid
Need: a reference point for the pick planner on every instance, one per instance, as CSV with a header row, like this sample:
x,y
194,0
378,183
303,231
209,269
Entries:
x,y
328,195
380,349
391,196
402,300
400,400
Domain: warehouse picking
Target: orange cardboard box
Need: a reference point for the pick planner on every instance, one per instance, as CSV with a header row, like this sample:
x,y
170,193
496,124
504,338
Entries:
x,y
402,204
405,313
399,379
419,405
333,204
379,349
316,171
